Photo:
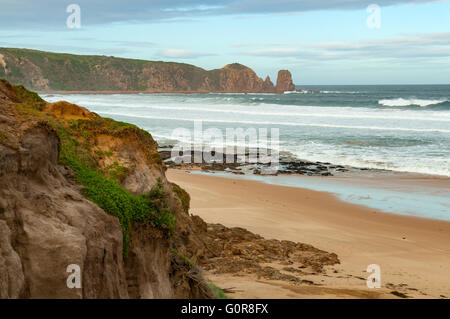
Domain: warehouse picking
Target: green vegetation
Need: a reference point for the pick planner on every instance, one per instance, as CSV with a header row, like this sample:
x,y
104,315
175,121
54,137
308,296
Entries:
x,y
109,195
25,95
191,265
183,196
156,200
220,294
100,124
117,172
102,188
69,72
186,260
3,137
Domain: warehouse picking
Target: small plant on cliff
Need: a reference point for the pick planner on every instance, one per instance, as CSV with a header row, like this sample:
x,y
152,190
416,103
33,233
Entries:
x,y
183,196
117,172
187,262
3,137
220,294
157,201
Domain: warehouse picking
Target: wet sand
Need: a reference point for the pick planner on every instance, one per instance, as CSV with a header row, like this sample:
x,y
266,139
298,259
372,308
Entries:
x,y
413,253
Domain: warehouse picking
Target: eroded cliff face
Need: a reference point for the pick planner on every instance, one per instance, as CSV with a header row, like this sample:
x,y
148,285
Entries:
x,y
47,222
45,71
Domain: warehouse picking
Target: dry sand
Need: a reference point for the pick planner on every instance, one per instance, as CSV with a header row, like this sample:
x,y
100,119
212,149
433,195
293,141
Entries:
x,y
413,253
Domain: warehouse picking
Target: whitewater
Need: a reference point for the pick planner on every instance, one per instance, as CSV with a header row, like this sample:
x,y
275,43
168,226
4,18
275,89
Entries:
x,y
400,128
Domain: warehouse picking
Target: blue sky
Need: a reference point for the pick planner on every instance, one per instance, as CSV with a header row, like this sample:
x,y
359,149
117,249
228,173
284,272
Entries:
x,y
320,42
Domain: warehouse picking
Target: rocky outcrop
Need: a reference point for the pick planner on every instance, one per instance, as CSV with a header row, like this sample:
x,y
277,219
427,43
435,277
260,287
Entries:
x,y
284,82
45,71
239,78
238,251
268,86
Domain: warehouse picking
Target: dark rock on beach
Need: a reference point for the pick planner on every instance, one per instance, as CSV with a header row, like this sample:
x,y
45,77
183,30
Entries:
x,y
239,163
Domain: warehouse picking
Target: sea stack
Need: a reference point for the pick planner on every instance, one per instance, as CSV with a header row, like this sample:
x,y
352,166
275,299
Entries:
x,y
284,82
268,86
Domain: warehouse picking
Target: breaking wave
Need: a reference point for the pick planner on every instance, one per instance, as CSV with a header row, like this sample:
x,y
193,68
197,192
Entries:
x,y
411,102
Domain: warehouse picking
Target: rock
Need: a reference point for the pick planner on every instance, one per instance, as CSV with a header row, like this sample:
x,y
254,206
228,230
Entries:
x,y
284,82
236,250
238,78
268,86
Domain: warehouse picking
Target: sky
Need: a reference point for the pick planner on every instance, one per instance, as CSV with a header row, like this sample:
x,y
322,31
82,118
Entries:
x,y
320,42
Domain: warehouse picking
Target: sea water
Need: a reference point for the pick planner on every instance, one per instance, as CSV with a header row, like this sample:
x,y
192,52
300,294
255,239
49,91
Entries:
x,y
403,128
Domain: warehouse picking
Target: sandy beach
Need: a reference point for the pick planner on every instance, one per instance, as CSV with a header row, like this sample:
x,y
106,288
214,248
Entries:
x,y
413,253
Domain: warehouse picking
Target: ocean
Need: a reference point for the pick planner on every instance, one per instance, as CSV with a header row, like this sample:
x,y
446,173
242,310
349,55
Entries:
x,y
395,127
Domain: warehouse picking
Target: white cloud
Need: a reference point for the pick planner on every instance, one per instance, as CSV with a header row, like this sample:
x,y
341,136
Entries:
x,y
276,52
413,46
50,13
182,54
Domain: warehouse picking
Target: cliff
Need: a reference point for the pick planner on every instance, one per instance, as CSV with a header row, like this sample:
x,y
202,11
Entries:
x,y
46,71
79,189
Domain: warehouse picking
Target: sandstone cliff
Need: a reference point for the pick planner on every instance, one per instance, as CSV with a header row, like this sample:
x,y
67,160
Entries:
x,y
61,204
45,71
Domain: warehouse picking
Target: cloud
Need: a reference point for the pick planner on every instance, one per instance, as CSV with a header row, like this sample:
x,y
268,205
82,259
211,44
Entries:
x,y
135,44
274,52
66,48
182,54
51,13
427,45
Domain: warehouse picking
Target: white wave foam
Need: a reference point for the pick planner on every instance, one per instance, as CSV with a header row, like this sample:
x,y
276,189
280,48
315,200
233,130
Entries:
x,y
409,102
340,92
310,91
398,164
265,110
294,92
269,123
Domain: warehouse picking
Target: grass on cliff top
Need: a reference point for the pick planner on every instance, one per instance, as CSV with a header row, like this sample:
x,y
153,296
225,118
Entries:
x,y
102,125
70,72
24,95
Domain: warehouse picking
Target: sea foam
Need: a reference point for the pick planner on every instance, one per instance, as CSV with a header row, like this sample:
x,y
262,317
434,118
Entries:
x,y
410,102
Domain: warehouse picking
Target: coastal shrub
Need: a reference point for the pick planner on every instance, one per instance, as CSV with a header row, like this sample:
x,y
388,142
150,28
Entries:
x,y
29,97
220,294
183,196
157,201
24,94
186,260
117,172
112,197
